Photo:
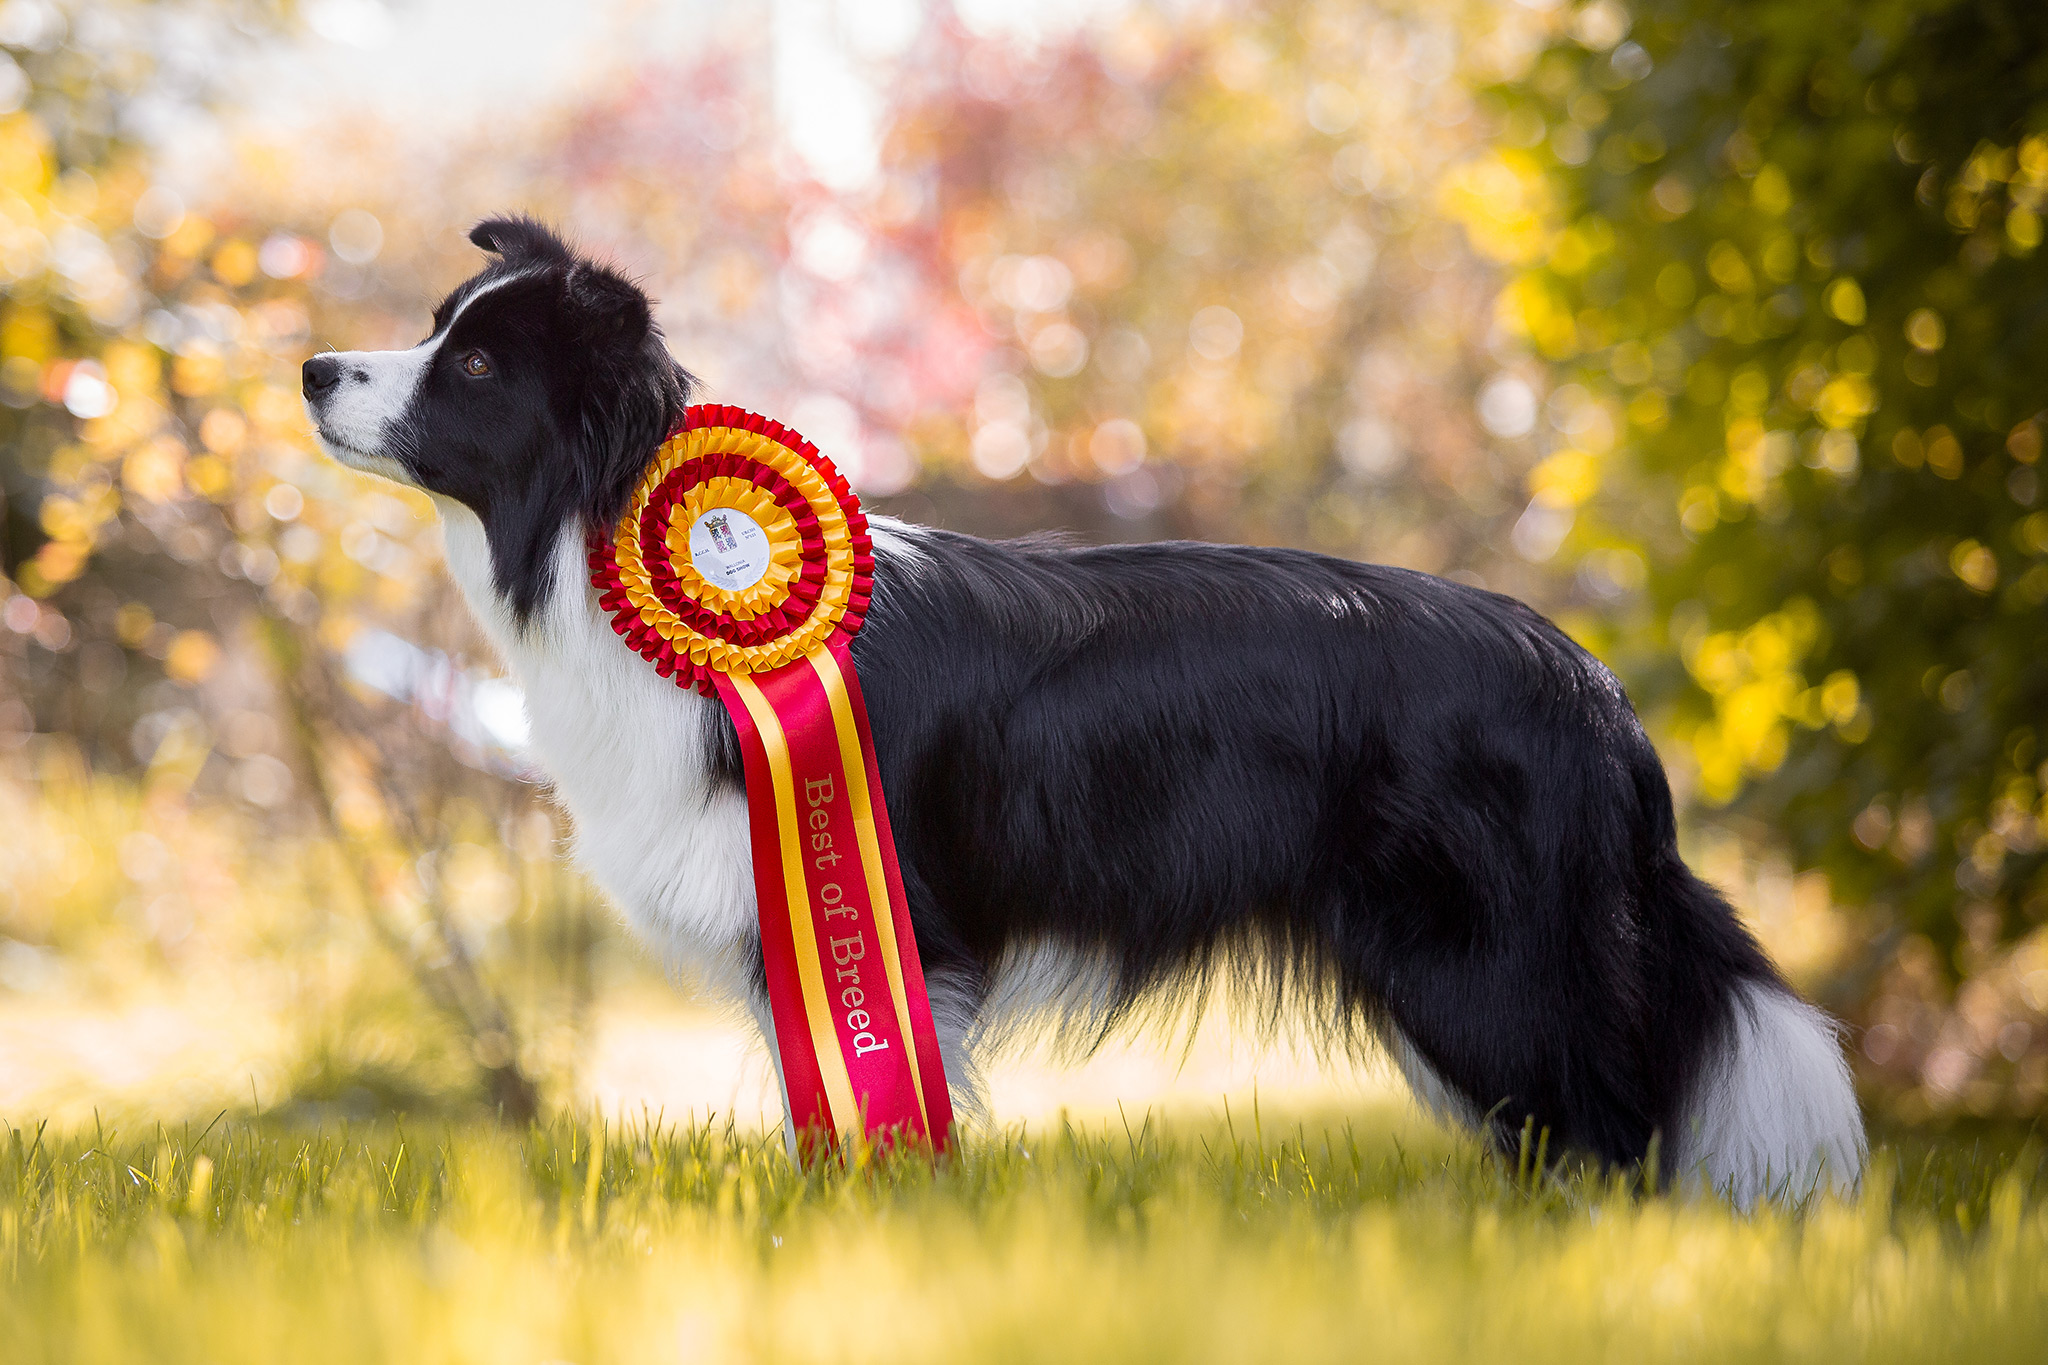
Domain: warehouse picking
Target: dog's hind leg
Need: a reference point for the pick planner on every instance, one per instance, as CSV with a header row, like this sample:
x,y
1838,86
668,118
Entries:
x,y
1611,1028
1495,1036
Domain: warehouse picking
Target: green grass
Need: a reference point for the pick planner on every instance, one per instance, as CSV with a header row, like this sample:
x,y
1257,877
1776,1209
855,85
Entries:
x,y
1375,1240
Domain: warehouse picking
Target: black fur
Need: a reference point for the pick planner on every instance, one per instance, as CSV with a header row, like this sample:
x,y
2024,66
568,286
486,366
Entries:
x,y
1409,803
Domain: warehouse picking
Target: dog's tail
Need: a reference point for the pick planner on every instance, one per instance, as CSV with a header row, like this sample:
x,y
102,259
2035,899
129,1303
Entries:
x,y
1768,1109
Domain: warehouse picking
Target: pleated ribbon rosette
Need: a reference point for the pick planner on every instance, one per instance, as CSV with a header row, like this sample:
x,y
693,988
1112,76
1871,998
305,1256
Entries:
x,y
742,568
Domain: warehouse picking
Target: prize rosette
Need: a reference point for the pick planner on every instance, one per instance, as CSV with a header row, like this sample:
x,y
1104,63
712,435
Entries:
x,y
742,568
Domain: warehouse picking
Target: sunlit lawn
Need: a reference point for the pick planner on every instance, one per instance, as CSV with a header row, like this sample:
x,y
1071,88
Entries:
x,y
1366,1239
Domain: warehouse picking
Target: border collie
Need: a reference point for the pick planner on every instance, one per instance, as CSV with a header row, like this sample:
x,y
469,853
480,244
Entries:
x,y
1411,809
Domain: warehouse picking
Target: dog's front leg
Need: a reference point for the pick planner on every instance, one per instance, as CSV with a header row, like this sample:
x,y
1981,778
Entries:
x,y
764,1019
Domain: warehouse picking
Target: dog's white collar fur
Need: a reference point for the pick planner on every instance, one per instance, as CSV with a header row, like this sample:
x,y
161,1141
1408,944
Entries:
x,y
627,752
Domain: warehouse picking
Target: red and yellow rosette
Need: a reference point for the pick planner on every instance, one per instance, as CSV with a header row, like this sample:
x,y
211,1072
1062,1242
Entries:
x,y
742,568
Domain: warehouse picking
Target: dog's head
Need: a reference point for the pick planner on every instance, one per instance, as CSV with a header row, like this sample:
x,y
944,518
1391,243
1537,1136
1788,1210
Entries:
x,y
537,400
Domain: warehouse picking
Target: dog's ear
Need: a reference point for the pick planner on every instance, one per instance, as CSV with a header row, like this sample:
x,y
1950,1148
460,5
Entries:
x,y
633,394
610,311
519,238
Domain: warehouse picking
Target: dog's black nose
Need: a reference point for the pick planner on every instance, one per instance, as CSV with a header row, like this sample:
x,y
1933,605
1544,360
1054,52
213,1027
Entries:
x,y
320,374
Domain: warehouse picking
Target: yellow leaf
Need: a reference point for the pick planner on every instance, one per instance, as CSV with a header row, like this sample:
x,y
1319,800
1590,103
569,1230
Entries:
x,y
235,263
2023,229
1845,401
55,564
223,431
1771,191
132,369
210,477
192,657
1976,565
1845,300
196,374
1924,329
1726,264
1944,452
191,238
155,470
29,333
1565,479
24,156
1840,696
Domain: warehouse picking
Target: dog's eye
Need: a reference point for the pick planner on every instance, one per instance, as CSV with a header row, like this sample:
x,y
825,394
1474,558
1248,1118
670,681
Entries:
x,y
475,366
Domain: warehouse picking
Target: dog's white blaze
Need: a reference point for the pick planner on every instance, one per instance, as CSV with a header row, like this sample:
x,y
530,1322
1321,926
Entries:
x,y
1775,1113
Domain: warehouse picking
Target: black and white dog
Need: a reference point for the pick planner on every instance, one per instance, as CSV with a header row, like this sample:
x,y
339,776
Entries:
x,y
1414,809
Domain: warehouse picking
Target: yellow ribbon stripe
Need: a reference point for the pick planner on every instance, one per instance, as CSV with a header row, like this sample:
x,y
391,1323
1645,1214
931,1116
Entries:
x,y
855,763
846,1114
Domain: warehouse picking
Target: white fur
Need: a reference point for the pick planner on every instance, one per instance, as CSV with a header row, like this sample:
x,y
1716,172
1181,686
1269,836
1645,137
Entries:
x,y
627,750
1775,1114
1045,985
953,1020
1431,1091
375,389
898,540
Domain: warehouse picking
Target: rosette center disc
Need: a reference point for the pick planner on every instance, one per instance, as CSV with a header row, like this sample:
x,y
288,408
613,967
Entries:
x,y
729,548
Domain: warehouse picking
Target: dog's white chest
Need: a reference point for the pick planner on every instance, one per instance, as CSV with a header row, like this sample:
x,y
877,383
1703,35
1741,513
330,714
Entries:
x,y
627,751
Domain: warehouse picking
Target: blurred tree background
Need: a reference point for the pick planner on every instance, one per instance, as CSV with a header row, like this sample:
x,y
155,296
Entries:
x,y
1786,261
1715,331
